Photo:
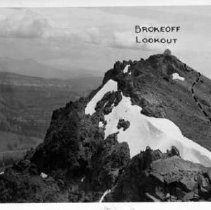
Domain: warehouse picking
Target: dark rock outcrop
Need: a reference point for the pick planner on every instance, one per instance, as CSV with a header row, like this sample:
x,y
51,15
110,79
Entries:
x,y
125,124
16,186
154,176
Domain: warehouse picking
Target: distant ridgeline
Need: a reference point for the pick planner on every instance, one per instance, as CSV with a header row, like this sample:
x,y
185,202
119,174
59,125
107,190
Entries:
x,y
143,31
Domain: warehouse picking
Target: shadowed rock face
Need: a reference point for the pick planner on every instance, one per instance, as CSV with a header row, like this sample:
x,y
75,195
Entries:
x,y
82,164
154,176
75,144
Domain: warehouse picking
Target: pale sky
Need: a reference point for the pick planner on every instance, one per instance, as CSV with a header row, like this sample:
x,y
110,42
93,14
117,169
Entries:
x,y
94,38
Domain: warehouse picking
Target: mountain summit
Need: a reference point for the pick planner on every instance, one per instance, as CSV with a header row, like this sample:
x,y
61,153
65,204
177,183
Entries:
x,y
143,135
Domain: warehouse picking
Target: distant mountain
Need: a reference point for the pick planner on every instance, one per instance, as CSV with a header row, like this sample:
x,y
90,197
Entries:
x,y
142,135
33,68
82,83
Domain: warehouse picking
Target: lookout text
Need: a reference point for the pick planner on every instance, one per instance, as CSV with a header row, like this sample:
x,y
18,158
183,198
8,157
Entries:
x,y
158,34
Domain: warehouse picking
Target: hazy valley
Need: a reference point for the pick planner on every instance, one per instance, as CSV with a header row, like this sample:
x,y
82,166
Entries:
x,y
26,105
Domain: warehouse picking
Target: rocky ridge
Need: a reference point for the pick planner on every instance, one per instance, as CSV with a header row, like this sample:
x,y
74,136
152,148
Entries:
x,y
82,164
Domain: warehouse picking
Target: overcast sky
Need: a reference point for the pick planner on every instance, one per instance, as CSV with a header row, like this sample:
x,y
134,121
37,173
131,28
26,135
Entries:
x,y
94,38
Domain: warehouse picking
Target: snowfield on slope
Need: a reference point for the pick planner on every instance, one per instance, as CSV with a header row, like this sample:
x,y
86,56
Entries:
x,y
157,133
109,86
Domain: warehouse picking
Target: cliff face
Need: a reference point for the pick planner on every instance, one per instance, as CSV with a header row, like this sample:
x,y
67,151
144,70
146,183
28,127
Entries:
x,y
94,144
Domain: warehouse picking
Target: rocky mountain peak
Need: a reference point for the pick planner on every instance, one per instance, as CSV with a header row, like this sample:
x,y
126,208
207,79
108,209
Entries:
x,y
132,93
95,145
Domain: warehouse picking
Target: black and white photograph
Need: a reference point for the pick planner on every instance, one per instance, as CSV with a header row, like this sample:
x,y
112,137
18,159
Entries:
x,y
105,104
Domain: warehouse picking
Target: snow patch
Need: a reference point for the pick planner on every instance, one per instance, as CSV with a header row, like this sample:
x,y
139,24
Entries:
x,y
177,76
126,69
110,86
100,124
157,133
103,196
43,175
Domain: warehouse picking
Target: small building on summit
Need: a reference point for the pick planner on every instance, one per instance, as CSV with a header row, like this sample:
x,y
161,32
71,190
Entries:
x,y
167,52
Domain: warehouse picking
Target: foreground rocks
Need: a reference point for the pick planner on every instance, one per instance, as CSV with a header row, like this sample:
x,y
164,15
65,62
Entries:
x,y
149,176
85,181
153,176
